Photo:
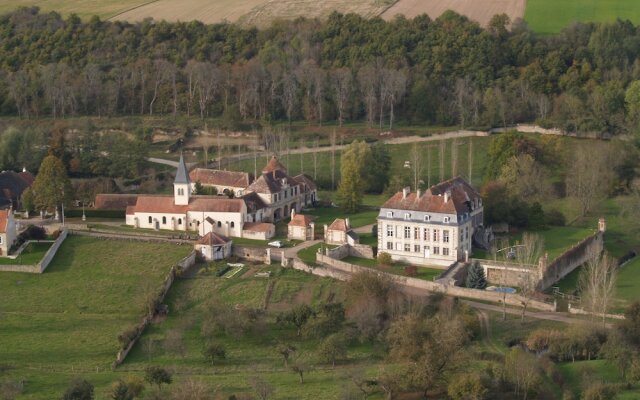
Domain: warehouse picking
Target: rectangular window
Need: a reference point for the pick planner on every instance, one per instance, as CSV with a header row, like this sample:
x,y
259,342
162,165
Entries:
x,y
416,248
425,234
446,220
398,246
407,232
389,214
389,230
445,251
407,216
445,236
466,232
427,218
389,245
436,235
416,233
407,247
436,250
398,231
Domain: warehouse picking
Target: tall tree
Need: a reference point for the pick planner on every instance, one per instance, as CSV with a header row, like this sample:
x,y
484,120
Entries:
x,y
341,85
597,282
52,186
355,160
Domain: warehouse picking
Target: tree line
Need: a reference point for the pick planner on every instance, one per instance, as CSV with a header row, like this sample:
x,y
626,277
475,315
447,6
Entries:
x,y
446,71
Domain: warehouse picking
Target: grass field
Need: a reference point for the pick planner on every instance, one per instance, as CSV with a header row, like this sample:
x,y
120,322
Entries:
x,y
66,321
551,16
84,9
31,255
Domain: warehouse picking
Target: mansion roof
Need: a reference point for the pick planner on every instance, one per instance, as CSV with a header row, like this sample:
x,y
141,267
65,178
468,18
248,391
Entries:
x,y
218,177
166,205
274,165
454,196
306,182
271,182
115,201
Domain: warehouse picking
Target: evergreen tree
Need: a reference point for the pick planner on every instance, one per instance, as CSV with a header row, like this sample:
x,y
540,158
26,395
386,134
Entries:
x,y
475,277
52,186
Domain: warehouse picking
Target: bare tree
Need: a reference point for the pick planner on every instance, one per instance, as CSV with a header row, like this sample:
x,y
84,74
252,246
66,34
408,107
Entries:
x,y
368,82
443,147
261,387
416,164
528,256
470,160
289,88
462,95
597,282
396,84
333,159
341,85
589,176
316,145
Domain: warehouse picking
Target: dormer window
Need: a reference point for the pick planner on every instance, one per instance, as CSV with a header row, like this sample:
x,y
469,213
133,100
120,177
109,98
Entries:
x,y
389,214
446,220
427,218
407,216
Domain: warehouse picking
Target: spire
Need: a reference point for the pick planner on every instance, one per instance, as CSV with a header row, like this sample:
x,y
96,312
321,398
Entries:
x,y
182,175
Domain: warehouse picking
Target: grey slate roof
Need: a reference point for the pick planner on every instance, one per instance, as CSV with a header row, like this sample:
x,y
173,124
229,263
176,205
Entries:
x,y
182,176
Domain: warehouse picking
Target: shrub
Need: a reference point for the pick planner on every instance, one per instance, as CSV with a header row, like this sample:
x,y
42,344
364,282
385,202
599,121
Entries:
x,y
384,258
475,277
555,218
34,233
599,391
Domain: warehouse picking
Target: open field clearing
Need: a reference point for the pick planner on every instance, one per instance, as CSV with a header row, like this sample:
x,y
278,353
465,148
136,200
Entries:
x,y
67,320
477,10
84,9
251,12
551,16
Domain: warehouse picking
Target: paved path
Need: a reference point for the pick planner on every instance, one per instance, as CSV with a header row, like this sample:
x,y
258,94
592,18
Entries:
x,y
170,163
292,252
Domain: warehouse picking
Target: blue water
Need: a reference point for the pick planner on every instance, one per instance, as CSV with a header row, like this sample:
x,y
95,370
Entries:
x,y
508,290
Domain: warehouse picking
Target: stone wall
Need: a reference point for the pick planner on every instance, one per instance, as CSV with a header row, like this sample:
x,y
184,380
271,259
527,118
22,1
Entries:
x,y
361,250
428,286
580,311
41,266
572,259
253,253
505,273
338,253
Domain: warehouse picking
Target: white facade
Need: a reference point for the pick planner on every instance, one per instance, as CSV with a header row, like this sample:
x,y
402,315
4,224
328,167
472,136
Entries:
x,y
223,223
8,237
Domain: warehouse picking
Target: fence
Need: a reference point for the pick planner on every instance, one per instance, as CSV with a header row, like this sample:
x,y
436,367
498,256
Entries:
x,y
415,283
42,265
185,263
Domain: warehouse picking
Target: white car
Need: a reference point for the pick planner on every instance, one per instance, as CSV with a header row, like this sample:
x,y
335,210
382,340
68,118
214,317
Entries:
x,y
276,243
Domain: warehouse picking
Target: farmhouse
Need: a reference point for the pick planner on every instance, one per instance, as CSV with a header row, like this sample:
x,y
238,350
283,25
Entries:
x,y
431,228
7,231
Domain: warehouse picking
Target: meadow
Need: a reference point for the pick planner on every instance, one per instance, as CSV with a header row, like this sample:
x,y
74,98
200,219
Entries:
x,y
84,9
66,321
551,16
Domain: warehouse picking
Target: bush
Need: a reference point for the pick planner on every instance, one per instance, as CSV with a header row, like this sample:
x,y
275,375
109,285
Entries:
x,y
34,233
384,258
554,218
599,391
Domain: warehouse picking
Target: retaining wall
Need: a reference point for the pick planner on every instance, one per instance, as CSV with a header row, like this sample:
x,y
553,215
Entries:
x,y
253,253
361,250
505,273
580,311
415,283
572,259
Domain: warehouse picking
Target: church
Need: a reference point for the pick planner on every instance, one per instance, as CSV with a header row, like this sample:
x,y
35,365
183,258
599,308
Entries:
x,y
265,201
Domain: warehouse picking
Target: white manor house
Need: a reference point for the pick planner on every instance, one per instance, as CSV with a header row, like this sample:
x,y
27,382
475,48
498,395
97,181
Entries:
x,y
264,201
431,228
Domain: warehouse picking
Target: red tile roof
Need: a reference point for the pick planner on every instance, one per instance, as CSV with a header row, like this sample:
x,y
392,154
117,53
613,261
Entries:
x,y
165,205
338,225
461,194
212,238
4,220
220,178
115,201
301,220
258,227
274,165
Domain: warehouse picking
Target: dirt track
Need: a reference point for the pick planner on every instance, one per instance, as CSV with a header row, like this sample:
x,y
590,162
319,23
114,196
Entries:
x,y
477,10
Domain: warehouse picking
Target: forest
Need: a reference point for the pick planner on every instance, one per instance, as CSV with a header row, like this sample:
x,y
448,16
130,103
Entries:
x,y
443,72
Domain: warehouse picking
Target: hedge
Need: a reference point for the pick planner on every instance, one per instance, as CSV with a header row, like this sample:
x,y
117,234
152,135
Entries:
x,y
93,213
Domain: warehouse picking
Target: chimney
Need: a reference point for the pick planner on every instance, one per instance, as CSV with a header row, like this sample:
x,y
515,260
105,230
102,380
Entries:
x,y
447,195
274,174
405,192
348,223
418,193
293,213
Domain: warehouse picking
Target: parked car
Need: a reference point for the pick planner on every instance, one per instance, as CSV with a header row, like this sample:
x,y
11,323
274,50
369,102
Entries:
x,y
276,243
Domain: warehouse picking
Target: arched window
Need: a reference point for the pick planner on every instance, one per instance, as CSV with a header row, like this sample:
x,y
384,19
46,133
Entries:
x,y
164,220
232,224
219,224
179,221
150,220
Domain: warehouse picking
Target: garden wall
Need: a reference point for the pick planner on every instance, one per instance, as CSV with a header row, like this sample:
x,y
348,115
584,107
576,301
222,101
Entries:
x,y
580,311
253,253
505,273
43,264
572,259
415,283
345,250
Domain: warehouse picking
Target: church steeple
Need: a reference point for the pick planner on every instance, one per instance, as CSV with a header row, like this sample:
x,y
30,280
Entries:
x,y
182,184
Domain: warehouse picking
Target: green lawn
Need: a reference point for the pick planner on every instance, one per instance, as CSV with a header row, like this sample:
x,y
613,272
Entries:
x,y
551,16
425,273
66,321
326,215
31,255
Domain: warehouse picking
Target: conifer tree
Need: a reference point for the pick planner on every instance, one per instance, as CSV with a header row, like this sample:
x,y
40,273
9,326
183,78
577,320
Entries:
x,y
475,277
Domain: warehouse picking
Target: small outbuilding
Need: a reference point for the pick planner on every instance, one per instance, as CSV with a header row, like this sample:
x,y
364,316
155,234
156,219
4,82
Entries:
x,y
7,231
301,227
340,232
213,246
